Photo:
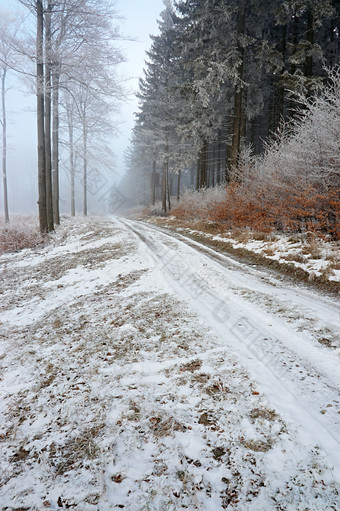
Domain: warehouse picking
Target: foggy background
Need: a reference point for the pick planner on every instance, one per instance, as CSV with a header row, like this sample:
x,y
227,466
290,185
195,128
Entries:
x,y
139,21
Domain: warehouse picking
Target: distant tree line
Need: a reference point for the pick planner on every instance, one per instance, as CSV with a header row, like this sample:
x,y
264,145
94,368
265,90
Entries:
x,y
221,76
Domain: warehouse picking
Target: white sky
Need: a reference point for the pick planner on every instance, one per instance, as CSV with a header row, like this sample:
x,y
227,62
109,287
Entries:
x,y
140,20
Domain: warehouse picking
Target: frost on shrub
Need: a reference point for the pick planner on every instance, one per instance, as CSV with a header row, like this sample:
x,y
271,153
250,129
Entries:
x,y
200,204
155,209
294,186
299,174
308,149
20,233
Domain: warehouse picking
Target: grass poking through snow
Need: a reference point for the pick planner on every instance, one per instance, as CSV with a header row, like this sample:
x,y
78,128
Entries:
x,y
115,396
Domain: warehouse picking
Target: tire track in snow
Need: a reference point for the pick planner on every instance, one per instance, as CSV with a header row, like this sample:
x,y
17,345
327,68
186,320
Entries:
x,y
300,379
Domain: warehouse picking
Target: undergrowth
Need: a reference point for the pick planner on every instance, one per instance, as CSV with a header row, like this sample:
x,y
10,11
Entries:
x,y
22,232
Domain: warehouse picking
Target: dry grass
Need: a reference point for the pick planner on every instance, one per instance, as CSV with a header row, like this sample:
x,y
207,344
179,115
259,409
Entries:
x,y
269,251
327,272
241,235
334,264
20,233
191,366
298,258
263,413
164,426
95,422
287,268
257,445
76,451
261,236
325,341
209,227
312,249
294,238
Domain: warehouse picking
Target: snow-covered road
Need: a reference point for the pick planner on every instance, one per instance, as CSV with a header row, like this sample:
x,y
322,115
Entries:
x,y
274,327
145,371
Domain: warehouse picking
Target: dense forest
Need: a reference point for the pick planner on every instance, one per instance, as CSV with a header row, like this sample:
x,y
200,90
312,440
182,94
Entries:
x,y
230,89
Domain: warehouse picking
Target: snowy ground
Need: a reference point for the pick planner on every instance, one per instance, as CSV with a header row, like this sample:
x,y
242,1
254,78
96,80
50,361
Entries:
x,y
319,258
141,373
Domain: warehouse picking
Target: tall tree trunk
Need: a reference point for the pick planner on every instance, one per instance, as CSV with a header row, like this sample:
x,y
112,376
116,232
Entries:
x,y
236,138
55,144
40,119
277,98
238,94
178,185
198,167
192,175
219,158
293,66
153,183
48,148
207,165
212,164
4,143
165,179
84,168
203,166
332,32
308,68
205,169
227,172
164,187
72,162
271,112
281,90
168,185
295,40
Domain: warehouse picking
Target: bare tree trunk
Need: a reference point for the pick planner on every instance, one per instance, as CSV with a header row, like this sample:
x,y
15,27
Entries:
x,y
73,197
72,163
165,180
308,68
40,119
168,185
238,94
164,187
55,144
293,66
219,159
178,185
192,175
203,165
212,165
153,183
280,91
198,165
4,143
84,167
235,145
48,148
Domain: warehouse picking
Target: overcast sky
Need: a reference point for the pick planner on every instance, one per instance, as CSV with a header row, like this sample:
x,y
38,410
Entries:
x,y
140,20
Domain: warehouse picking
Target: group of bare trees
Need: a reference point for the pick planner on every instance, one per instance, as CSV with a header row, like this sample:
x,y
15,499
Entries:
x,y
72,60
